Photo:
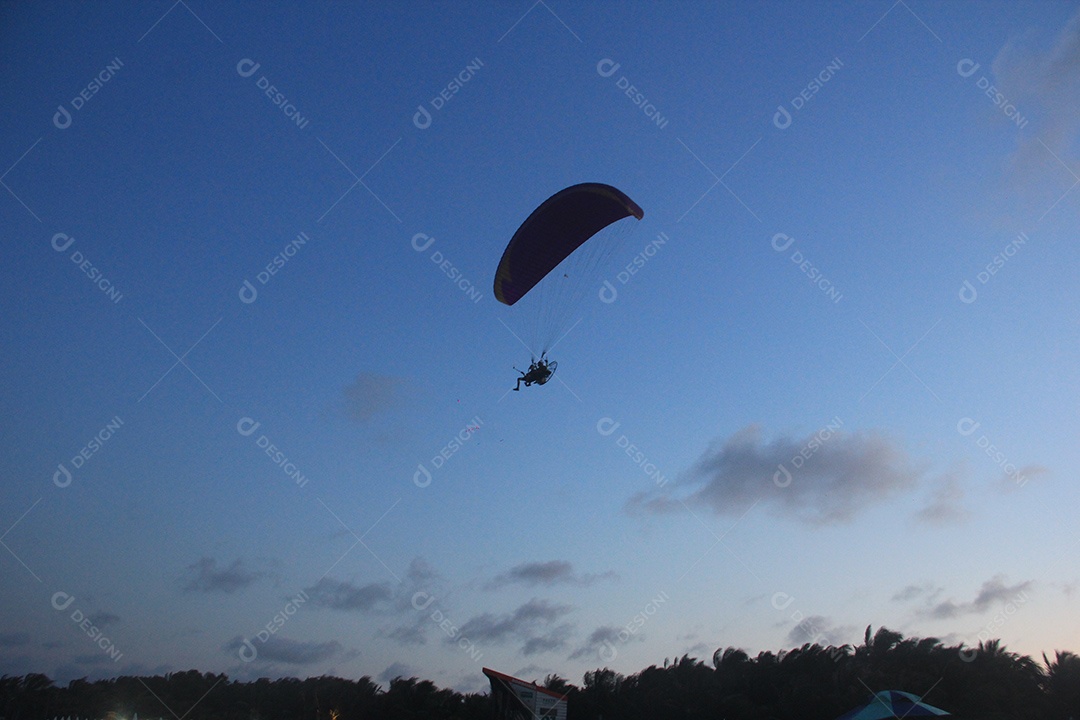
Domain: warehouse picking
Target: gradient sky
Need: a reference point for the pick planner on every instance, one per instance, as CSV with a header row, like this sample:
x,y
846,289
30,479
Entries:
x,y
540,545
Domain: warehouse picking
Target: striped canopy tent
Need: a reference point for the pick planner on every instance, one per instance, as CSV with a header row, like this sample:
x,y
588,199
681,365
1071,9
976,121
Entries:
x,y
892,704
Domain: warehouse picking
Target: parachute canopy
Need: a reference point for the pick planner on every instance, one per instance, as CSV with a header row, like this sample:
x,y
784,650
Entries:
x,y
555,230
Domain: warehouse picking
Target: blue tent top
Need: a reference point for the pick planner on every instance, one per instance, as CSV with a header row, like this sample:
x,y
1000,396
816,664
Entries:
x,y
892,704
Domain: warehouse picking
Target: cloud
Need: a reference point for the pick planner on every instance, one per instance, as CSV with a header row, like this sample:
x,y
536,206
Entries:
x,y
420,577
290,652
598,640
205,577
14,639
396,670
993,591
92,659
414,634
913,592
699,650
555,639
341,595
421,572
552,572
104,619
1044,88
371,394
825,478
1049,79
67,672
1014,481
944,507
531,671
820,630
295,652
521,625
92,667
421,586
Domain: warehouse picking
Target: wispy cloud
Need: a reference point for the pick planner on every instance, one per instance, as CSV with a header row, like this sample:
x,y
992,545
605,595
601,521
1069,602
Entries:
x,y
944,506
830,482
914,592
104,619
421,572
290,652
536,672
342,595
555,639
14,639
821,630
1044,87
529,623
91,659
421,584
552,572
204,576
1010,482
993,591
396,670
414,633
600,638
371,394
699,650
295,652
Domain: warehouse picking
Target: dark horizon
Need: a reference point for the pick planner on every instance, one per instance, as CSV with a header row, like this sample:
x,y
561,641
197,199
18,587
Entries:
x,y
811,682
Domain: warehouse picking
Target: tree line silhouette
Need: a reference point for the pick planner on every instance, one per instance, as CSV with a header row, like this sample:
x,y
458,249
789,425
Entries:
x,y
811,682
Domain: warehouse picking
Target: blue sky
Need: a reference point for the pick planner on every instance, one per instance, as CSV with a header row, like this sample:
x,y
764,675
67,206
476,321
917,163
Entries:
x,y
879,283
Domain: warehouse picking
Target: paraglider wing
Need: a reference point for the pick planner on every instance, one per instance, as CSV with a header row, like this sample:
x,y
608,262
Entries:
x,y
554,230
